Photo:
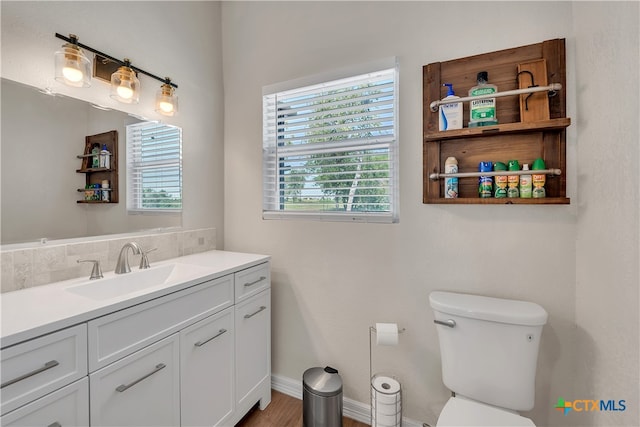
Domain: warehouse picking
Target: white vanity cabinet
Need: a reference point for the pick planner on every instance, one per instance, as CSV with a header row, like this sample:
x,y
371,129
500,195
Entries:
x,y
196,354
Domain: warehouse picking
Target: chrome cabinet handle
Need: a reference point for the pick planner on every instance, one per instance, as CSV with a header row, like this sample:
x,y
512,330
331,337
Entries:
x,y
124,387
48,365
246,285
55,424
262,307
201,343
450,323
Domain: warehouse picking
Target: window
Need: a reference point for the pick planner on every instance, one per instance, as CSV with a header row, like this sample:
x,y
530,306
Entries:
x,y
154,168
330,148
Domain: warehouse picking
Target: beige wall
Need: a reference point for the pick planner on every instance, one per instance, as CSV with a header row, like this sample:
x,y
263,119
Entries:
x,y
177,39
331,281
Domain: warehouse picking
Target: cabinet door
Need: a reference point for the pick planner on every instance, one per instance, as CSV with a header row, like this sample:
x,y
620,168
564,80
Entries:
x,y
142,389
68,406
253,350
206,371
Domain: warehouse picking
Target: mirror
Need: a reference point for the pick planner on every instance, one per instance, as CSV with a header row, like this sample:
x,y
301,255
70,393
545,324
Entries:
x,y
42,135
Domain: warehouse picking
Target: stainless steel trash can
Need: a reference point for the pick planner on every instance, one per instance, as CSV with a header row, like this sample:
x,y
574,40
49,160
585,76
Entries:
x,y
321,398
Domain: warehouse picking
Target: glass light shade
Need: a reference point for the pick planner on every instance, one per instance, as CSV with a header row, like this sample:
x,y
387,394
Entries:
x,y
166,100
125,86
73,68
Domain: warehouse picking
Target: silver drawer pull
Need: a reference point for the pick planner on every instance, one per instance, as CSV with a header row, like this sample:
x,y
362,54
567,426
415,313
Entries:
x,y
262,307
201,343
246,285
450,323
124,387
48,365
55,424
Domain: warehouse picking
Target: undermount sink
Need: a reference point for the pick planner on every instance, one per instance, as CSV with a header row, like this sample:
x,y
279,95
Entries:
x,y
137,280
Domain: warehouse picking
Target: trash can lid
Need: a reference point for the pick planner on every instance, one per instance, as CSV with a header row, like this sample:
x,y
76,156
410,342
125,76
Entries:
x,y
322,381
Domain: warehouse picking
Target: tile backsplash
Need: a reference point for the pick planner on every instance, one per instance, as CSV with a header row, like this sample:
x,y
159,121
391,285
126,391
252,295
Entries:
x,y
52,262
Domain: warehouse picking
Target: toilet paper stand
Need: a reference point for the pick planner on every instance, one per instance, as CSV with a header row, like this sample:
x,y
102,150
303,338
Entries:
x,y
386,397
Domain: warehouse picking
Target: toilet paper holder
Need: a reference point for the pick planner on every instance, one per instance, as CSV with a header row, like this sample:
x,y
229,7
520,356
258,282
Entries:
x,y
371,330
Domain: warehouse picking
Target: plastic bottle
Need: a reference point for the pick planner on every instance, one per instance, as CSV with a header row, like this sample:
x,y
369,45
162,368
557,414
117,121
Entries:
x,y
525,183
105,157
451,184
105,192
450,114
482,112
500,190
538,180
95,160
485,188
513,180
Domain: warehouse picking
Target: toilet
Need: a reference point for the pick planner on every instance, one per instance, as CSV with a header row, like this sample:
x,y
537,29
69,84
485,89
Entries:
x,y
489,349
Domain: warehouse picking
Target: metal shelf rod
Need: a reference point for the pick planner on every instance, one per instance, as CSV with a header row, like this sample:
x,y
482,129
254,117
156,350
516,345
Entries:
x,y
436,176
553,87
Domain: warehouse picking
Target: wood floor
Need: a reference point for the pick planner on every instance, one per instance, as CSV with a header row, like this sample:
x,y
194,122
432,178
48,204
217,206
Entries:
x,y
283,411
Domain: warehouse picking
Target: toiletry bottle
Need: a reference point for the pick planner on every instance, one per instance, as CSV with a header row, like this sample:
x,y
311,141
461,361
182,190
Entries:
x,y
525,183
105,156
95,159
485,187
538,180
451,184
500,190
450,114
513,180
482,112
105,192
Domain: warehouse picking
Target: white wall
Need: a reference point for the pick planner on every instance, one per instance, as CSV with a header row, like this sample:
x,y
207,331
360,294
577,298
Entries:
x,y
331,281
608,257
177,39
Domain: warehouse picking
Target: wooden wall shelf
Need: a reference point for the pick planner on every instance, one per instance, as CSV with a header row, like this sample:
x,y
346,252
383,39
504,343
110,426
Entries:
x,y
511,138
97,175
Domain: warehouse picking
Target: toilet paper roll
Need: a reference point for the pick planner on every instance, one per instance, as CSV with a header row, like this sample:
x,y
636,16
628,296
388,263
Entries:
x,y
386,334
386,402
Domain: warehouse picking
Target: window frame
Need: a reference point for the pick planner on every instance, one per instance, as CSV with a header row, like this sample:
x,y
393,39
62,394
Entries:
x,y
271,175
134,166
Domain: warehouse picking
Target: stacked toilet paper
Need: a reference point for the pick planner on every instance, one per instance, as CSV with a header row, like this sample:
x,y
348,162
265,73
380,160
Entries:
x,y
386,402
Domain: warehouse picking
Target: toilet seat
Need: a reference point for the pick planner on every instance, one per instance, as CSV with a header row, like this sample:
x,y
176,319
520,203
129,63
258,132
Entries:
x,y
460,411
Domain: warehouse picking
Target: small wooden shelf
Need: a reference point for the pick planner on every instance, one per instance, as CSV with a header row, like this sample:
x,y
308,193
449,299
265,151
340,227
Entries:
x,y
511,139
97,175
506,128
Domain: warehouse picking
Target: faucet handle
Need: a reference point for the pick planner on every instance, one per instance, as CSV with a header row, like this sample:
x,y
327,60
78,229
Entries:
x,y
96,272
144,260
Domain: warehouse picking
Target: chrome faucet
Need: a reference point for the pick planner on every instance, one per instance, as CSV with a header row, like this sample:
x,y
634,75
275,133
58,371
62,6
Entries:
x,y
122,266
96,272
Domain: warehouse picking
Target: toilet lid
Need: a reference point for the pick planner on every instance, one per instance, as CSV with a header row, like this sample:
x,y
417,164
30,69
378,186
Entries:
x,y
460,411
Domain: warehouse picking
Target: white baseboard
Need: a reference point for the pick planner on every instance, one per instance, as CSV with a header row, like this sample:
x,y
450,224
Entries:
x,y
350,408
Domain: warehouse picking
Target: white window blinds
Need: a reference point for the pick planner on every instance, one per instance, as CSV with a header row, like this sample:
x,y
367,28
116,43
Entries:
x,y
330,150
154,168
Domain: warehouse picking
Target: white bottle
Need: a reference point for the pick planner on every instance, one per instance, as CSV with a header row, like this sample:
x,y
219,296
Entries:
x,y
450,114
451,183
105,157
525,184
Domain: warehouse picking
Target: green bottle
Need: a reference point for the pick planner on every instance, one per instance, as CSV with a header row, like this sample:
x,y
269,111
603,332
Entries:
x,y
500,190
539,179
513,180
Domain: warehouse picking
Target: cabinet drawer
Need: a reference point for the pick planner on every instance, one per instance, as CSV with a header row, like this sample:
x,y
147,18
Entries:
x,y
142,389
252,281
67,407
34,368
116,335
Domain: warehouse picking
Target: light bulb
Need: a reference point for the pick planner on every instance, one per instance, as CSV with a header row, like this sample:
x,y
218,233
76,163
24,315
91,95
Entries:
x,y
125,92
72,73
166,106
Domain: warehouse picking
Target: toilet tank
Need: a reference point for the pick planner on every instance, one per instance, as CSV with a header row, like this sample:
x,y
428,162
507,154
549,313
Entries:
x,y
490,355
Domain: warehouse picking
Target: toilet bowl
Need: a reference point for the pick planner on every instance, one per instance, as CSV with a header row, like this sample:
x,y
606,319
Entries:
x,y
460,411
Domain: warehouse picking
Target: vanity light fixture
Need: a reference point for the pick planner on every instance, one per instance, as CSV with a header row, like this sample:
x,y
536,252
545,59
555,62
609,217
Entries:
x,y
166,99
73,68
125,86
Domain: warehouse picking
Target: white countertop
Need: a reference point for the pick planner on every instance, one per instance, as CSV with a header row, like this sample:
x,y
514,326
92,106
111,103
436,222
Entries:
x,y
40,310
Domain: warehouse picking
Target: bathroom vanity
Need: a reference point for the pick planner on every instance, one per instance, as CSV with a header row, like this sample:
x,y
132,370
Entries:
x,y
186,342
